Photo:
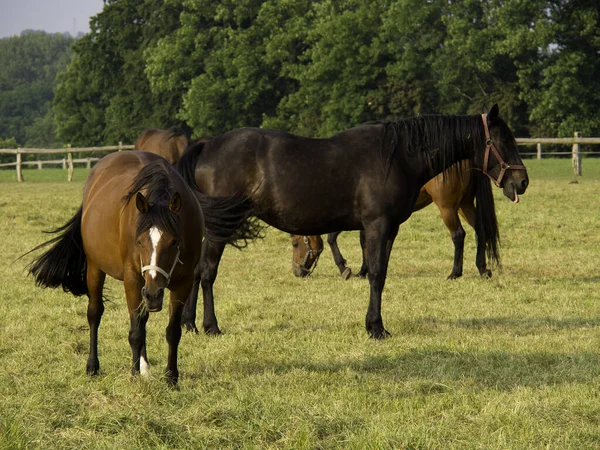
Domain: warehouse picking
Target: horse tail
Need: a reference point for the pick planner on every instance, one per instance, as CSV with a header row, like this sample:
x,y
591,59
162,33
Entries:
x,y
65,264
230,220
486,223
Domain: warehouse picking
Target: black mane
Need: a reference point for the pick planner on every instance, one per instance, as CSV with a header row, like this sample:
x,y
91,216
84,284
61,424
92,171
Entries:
x,y
436,138
156,179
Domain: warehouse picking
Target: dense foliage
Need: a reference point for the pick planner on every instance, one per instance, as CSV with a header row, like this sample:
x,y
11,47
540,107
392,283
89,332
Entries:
x,y
29,65
316,67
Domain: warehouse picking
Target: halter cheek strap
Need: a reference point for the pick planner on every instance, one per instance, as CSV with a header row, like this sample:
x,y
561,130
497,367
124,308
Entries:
x,y
310,252
489,146
162,271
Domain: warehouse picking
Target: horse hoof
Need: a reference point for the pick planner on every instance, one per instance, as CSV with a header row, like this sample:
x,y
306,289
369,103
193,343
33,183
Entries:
x,y
379,334
454,276
486,274
190,326
92,368
347,273
212,331
361,275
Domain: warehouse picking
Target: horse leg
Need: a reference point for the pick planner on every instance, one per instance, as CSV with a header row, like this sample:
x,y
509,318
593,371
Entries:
x,y
173,332
379,240
457,232
188,317
467,210
339,260
364,268
138,318
95,281
209,267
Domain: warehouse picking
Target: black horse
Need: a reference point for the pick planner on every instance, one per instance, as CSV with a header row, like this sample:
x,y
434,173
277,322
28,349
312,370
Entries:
x,y
365,178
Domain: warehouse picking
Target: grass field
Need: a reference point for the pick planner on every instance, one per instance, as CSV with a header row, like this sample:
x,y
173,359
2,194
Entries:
x,y
506,363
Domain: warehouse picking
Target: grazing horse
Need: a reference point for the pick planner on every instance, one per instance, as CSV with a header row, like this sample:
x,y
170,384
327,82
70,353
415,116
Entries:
x,y
452,195
170,144
365,178
140,223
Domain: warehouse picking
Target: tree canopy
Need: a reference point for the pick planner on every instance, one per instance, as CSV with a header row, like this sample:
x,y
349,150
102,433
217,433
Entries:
x,y
316,67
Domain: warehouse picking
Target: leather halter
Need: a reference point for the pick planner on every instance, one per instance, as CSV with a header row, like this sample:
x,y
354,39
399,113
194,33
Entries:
x,y
163,272
309,253
489,145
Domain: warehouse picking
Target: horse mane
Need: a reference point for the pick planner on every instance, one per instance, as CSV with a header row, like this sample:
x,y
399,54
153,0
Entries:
x,y
437,139
486,223
175,131
156,178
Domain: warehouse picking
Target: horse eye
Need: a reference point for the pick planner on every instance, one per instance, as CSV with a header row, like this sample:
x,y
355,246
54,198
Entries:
x,y
139,242
174,243
295,244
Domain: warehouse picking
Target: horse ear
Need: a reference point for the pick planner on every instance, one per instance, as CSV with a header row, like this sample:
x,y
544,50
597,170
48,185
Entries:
x,y
141,203
175,203
495,111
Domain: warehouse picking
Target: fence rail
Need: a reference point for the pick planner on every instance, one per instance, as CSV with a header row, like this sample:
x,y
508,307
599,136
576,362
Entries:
x,y
68,163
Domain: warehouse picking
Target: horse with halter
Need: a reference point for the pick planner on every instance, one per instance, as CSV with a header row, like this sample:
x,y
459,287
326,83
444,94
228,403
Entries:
x,y
365,178
140,223
170,144
453,193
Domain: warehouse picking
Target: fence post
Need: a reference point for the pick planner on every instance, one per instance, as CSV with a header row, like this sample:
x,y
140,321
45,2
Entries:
x,y
39,164
88,163
19,168
539,150
120,145
576,155
70,159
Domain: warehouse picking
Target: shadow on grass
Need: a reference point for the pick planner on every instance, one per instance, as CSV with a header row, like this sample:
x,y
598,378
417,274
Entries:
x,y
497,370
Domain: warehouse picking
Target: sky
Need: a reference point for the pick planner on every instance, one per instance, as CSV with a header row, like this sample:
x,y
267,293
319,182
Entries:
x,y
53,16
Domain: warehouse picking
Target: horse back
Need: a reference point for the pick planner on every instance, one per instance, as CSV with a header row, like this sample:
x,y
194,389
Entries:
x,y
170,144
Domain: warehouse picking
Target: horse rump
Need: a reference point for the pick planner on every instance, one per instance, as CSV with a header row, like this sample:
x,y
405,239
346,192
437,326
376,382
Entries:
x,y
65,263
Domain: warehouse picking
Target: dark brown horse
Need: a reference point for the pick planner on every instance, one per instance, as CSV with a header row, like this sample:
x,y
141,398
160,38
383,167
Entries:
x,y
170,144
139,222
453,193
365,178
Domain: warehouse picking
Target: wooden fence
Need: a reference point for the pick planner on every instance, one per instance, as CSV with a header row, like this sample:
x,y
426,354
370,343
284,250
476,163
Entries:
x,y
68,163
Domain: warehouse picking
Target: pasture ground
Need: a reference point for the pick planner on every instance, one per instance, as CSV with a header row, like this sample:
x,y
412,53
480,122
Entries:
x,y
506,363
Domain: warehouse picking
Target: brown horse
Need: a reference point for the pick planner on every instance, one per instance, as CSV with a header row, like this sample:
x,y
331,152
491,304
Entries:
x,y
170,144
453,193
139,222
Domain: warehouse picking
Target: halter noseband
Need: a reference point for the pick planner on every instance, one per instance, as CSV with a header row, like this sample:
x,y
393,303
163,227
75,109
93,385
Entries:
x,y
309,253
162,271
489,145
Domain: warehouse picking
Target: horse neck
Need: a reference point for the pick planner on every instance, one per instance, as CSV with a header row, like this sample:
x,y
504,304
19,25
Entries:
x,y
457,139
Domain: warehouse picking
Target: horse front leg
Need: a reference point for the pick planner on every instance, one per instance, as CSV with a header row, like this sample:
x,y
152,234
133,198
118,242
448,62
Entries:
x,y
379,241
173,332
340,262
95,282
138,317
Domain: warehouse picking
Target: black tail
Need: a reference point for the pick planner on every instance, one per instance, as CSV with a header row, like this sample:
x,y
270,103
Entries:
x,y
486,224
65,263
229,220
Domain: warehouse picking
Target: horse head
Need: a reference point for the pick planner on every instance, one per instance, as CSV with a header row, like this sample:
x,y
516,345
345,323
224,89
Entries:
x,y
307,250
501,160
158,244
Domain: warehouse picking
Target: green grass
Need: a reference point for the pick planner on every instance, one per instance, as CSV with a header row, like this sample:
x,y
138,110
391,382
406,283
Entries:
x,y
510,362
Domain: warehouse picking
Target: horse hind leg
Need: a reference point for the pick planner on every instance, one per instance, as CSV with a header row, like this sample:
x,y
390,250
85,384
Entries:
x,y
467,210
205,276
364,268
457,232
95,281
340,262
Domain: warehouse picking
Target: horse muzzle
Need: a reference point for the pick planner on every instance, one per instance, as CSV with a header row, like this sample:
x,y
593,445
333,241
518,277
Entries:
x,y
153,300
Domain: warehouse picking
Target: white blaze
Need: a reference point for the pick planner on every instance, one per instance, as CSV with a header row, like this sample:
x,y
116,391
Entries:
x,y
155,235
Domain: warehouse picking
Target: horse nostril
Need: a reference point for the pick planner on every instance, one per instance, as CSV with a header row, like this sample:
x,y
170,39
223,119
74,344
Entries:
x,y
144,292
524,183
160,293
